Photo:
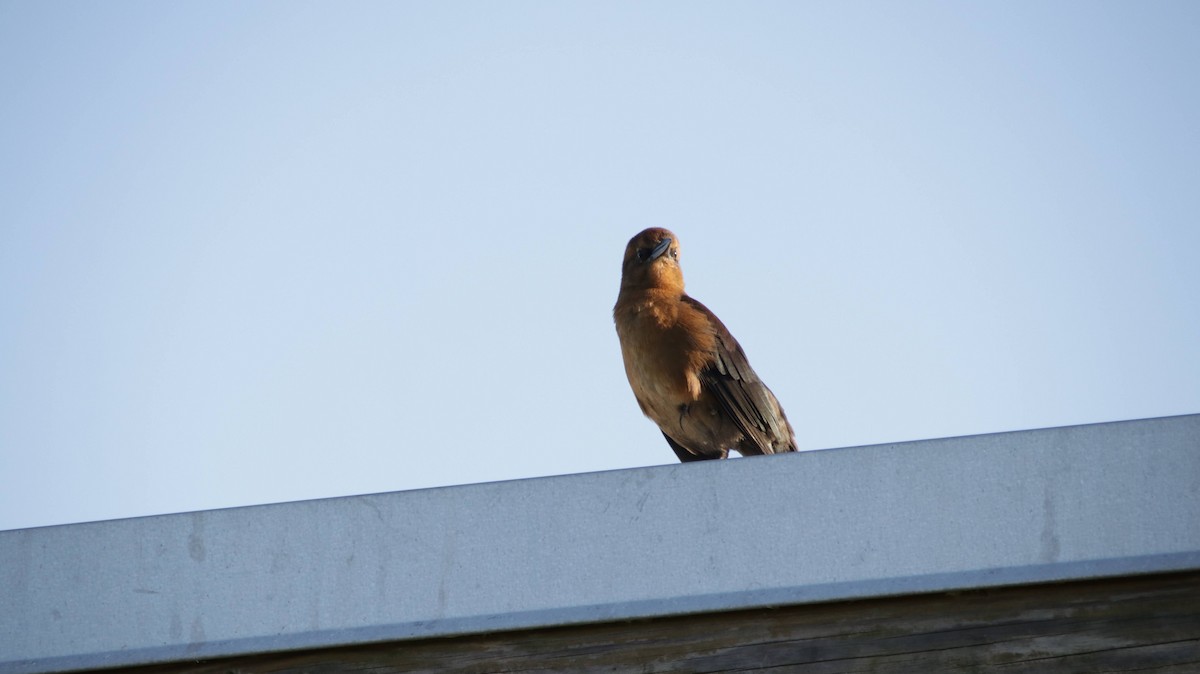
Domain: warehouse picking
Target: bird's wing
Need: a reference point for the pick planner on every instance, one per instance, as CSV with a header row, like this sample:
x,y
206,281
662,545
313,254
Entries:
x,y
742,395
685,455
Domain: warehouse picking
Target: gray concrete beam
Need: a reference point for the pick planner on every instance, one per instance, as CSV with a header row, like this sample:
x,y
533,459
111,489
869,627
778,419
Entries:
x,y
1032,506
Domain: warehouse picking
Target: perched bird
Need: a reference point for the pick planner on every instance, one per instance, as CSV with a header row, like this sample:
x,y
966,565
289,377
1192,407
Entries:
x,y
688,373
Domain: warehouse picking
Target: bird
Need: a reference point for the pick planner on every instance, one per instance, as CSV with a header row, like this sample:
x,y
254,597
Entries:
x,y
688,374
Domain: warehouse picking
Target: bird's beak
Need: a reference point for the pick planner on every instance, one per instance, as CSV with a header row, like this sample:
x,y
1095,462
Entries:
x,y
658,250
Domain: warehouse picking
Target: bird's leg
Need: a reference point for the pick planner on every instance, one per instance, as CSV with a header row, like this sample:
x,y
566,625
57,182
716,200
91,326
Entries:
x,y
683,412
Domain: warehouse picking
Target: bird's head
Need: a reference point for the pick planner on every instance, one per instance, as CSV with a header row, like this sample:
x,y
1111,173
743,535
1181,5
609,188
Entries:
x,y
652,261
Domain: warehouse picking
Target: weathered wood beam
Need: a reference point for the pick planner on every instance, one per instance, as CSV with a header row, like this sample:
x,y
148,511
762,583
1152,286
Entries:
x,y
1147,624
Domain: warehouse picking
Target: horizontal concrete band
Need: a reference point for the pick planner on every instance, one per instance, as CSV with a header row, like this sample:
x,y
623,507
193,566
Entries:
x,y
982,511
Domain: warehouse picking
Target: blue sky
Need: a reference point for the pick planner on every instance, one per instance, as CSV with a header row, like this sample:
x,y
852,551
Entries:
x,y
260,252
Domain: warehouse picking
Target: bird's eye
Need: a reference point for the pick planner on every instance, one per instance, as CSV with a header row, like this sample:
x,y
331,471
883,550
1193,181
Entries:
x,y
642,254
675,253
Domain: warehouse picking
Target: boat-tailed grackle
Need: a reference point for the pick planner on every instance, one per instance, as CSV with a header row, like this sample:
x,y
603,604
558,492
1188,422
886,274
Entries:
x,y
688,373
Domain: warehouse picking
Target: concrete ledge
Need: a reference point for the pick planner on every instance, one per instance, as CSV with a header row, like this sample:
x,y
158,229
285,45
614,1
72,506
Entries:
x,y
1032,506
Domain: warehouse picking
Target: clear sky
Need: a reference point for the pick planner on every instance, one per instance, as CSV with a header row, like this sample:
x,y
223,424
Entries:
x,y
260,252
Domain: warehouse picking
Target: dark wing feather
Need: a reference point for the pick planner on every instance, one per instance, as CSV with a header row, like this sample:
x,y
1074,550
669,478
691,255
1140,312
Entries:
x,y
686,456
743,396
